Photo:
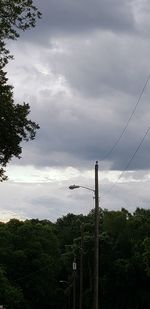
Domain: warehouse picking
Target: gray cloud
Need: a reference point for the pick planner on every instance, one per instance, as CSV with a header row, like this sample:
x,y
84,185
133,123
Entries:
x,y
77,128
82,70
103,64
71,135
85,15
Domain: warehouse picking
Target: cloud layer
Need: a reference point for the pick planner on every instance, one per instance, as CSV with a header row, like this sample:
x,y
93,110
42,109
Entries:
x,y
82,70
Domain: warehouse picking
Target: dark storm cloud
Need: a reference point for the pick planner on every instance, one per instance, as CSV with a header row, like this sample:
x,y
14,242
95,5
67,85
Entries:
x,y
82,70
100,65
72,135
105,73
94,69
76,130
70,16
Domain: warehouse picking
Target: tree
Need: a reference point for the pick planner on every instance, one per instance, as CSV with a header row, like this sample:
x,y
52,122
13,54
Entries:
x,y
15,15
29,256
15,126
10,296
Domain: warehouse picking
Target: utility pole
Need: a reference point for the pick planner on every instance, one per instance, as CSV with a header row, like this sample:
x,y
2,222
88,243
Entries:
x,y
96,236
74,266
81,267
96,260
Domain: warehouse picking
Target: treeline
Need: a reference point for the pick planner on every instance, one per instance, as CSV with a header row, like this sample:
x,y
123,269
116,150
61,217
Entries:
x,y
36,261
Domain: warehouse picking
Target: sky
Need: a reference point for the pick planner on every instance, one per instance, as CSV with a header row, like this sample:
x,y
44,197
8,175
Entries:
x,y
84,70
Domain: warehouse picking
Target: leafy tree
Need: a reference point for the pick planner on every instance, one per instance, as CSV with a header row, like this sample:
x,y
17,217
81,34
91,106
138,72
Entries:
x,y
15,15
36,255
29,255
10,295
15,126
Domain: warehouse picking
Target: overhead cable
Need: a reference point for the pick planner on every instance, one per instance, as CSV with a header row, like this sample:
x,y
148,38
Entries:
x,y
129,119
131,159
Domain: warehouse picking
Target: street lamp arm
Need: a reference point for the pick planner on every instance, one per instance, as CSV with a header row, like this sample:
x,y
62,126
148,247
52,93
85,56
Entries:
x,y
87,188
72,187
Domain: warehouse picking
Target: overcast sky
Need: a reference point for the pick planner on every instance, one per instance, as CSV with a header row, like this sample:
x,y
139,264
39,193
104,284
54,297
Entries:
x,y
82,70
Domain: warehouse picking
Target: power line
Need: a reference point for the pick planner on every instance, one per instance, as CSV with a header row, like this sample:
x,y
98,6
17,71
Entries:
x,y
128,121
129,162
120,197
31,274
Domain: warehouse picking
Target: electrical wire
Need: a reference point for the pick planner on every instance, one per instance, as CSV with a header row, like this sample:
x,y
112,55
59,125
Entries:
x,y
32,273
129,162
129,119
109,152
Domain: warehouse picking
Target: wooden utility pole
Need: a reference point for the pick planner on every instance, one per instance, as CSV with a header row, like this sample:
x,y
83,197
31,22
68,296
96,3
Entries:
x,y
96,260
96,236
81,267
74,282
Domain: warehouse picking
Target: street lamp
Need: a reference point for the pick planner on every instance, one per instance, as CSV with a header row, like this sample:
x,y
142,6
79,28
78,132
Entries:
x,y
68,284
96,238
73,283
72,187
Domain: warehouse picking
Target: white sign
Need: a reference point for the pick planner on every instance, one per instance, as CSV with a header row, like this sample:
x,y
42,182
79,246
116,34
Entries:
x,y
74,265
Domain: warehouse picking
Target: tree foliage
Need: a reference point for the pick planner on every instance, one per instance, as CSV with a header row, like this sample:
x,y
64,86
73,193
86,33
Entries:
x,y
36,261
15,15
15,126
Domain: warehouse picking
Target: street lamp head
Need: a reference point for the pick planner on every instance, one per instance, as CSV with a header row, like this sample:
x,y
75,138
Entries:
x,y
63,281
72,187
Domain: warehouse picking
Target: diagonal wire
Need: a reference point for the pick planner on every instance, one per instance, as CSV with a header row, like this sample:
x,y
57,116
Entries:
x,y
129,162
31,274
126,126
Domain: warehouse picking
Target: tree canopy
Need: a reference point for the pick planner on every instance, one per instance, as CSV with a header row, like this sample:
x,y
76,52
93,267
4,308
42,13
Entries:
x,y
15,15
36,261
15,125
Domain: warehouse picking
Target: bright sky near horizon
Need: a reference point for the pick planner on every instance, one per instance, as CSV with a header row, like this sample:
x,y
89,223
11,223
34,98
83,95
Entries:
x,y
82,70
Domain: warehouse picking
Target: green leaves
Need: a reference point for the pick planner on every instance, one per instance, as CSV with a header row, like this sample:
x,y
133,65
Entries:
x,y
15,126
16,15
29,255
10,295
36,261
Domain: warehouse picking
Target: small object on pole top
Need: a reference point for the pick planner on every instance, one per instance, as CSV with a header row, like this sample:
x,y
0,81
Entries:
x,y
72,187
